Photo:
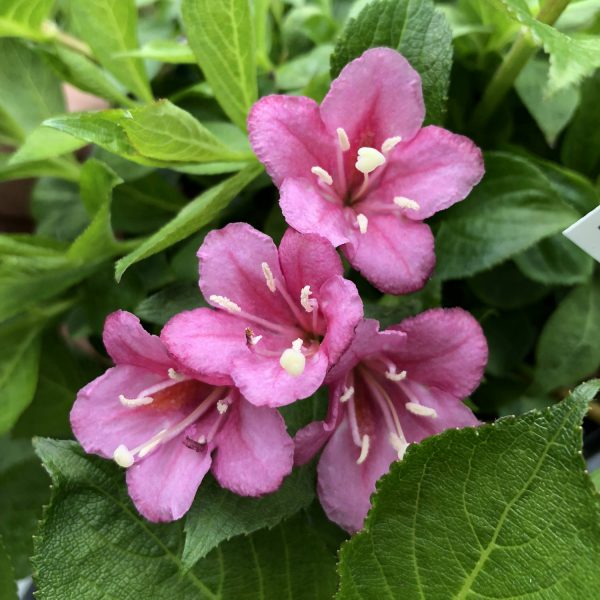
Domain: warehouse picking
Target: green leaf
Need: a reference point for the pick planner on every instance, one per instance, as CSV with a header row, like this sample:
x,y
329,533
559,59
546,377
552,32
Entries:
x,y
19,361
44,142
221,35
219,515
166,303
568,348
8,586
118,33
551,112
51,167
35,92
199,212
23,17
298,72
25,488
503,510
556,261
167,51
514,207
90,512
417,30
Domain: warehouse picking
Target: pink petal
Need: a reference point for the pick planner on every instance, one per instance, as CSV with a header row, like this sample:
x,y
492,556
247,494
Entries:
x,y
375,97
342,307
101,423
446,349
205,342
127,342
344,487
307,260
395,255
435,169
368,341
289,138
254,451
231,262
263,382
163,484
305,209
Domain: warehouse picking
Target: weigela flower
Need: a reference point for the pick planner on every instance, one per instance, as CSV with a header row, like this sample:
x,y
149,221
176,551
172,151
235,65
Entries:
x,y
360,171
390,389
283,317
169,429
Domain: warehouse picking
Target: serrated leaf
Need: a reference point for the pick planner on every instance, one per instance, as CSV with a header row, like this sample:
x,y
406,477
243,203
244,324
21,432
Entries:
x,y
8,586
118,33
219,515
417,30
514,207
221,35
504,510
90,511
199,212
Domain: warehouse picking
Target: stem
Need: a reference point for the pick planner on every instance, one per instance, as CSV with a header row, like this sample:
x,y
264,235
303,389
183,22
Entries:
x,y
66,40
521,51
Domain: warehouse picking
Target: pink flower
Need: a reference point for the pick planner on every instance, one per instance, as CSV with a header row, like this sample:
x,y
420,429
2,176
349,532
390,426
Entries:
x,y
169,429
360,171
389,390
283,317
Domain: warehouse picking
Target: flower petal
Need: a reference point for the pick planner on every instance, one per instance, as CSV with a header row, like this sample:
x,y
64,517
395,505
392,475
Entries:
x,y
376,96
163,484
205,342
305,209
289,138
254,451
127,342
231,262
395,255
436,169
446,349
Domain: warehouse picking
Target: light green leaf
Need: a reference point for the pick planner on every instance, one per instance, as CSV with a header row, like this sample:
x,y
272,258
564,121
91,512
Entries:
x,y
8,586
417,30
514,207
118,33
167,51
568,348
298,72
51,167
219,515
44,142
499,511
221,35
90,511
551,112
23,18
199,212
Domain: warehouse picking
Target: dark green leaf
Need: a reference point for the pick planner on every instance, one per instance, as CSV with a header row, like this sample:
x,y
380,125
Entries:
x,y
8,586
166,303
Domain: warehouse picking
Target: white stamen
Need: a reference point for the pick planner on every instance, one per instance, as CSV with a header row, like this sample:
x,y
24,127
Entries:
x,y
364,449
348,393
133,402
403,202
202,439
175,376
343,140
292,360
420,410
123,457
305,301
225,302
323,175
269,277
222,406
389,144
398,444
393,376
155,441
362,222
369,159
254,339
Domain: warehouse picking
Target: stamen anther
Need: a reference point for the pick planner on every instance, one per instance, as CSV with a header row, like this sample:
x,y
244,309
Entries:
x,y
175,376
292,360
393,376
134,402
123,457
343,140
222,406
322,175
364,449
252,339
269,277
403,202
225,302
420,410
362,222
369,159
305,300
202,439
348,393
389,144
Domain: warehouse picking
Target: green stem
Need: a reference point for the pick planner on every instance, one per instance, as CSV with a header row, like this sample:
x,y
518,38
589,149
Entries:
x,y
521,51
68,41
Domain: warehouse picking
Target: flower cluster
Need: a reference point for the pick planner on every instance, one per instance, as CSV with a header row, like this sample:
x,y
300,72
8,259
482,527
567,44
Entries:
x,y
356,172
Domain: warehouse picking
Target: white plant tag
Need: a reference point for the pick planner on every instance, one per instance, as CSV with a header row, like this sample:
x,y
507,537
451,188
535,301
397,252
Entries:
x,y
585,233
